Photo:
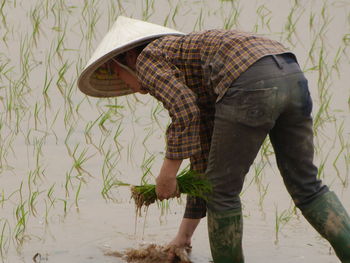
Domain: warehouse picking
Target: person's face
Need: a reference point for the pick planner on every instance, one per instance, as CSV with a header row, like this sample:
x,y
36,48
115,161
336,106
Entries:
x,y
131,57
129,78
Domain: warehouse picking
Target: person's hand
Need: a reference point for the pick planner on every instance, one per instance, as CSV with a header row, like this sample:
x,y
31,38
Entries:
x,y
180,241
183,237
166,184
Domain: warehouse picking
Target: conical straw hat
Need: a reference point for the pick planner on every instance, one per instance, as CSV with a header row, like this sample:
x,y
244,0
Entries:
x,y
98,78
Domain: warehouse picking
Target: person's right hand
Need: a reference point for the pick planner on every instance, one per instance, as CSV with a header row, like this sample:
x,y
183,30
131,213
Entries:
x,y
166,183
178,242
183,237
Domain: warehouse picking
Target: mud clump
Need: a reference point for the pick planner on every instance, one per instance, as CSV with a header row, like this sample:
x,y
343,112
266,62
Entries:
x,y
153,253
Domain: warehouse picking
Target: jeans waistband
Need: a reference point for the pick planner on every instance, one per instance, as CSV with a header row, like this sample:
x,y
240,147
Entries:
x,y
285,58
269,67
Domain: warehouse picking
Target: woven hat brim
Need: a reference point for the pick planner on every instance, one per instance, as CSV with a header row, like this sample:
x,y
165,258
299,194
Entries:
x,y
99,78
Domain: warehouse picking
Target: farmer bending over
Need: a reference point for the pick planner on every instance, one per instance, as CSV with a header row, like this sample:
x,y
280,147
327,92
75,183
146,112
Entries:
x,y
225,91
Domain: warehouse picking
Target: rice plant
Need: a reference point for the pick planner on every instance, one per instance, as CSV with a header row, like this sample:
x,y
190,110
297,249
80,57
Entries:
x,y
4,238
281,219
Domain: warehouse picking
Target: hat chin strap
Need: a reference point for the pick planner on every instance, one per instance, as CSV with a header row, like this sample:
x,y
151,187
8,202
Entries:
x,y
128,69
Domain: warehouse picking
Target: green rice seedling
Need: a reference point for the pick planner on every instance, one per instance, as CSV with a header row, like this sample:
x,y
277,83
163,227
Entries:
x,y
146,167
25,65
36,116
20,115
5,68
189,182
61,82
296,12
105,117
258,168
102,142
32,202
20,228
2,200
4,238
47,83
88,128
113,12
346,38
263,19
48,207
68,183
5,150
66,140
231,18
91,16
199,22
337,59
77,193
80,159
36,19
320,118
38,171
281,220
147,9
347,163
266,150
149,132
78,107
155,112
3,17
131,103
64,205
60,41
69,120
70,88
108,175
340,131
117,133
50,194
173,13
130,150
262,194
54,119
321,169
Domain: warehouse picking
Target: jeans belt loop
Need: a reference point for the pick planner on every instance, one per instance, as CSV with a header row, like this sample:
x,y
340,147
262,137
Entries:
x,y
279,64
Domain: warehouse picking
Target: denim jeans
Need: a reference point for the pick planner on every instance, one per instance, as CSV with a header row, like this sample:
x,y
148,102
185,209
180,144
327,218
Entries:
x,y
270,98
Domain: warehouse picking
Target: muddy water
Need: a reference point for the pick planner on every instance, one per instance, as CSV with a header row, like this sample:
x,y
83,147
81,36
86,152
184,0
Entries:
x,y
41,137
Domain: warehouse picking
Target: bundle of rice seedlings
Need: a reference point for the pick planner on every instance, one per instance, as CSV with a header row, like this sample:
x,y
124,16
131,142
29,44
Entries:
x,y
189,182
153,253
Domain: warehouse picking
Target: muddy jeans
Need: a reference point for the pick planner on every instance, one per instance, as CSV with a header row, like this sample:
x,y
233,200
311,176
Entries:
x,y
270,98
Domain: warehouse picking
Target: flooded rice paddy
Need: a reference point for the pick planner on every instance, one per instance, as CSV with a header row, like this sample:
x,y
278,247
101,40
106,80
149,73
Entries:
x,y
61,153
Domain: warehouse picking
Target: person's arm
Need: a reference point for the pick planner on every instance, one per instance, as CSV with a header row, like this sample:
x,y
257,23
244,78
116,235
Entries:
x,y
185,232
167,83
164,81
183,237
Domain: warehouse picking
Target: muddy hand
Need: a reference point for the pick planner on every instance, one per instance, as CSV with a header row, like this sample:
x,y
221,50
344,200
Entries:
x,y
177,253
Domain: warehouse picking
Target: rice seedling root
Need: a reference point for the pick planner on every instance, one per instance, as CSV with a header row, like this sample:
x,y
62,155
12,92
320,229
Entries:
x,y
153,253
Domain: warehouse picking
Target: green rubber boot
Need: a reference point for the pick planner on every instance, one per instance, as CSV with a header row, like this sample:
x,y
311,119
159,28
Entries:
x,y
328,216
225,236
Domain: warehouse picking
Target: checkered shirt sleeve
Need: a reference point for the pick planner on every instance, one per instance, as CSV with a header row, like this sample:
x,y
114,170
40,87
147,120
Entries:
x,y
167,84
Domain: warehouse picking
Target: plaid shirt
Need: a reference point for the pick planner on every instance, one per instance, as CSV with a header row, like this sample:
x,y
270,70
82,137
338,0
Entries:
x,y
189,74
